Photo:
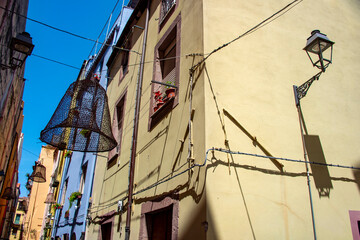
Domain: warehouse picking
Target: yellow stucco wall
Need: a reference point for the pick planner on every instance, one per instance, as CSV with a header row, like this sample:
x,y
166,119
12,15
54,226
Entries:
x,y
252,80
39,191
19,225
243,100
159,151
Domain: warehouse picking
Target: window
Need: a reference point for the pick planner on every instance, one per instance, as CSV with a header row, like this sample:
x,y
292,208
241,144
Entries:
x,y
83,178
117,127
17,219
165,86
64,192
14,232
124,64
106,231
159,219
355,223
166,9
159,224
73,236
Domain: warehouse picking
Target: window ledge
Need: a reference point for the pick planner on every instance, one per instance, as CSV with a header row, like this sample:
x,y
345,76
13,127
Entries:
x,y
161,112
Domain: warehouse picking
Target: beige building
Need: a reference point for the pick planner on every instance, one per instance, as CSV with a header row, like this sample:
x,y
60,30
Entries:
x,y
18,222
223,158
38,209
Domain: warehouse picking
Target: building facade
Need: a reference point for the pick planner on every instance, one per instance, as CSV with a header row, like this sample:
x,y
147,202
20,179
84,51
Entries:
x,y
38,209
77,175
11,105
152,129
223,157
18,223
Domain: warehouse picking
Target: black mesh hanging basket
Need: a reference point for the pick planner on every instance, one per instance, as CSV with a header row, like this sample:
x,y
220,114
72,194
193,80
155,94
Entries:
x,y
81,121
8,194
50,198
39,173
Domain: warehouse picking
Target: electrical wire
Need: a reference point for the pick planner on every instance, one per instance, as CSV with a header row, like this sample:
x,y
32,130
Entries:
x,y
253,29
60,30
30,152
168,177
51,60
286,159
105,24
49,26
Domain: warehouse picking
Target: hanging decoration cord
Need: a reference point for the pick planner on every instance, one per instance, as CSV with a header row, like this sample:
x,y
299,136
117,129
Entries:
x,y
248,31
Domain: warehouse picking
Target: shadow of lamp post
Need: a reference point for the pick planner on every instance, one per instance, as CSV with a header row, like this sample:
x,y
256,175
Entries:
x,y
316,45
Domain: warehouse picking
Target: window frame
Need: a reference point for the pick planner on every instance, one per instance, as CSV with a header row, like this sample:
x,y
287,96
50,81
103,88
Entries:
x,y
124,58
156,116
117,131
83,178
163,18
354,223
108,218
151,207
64,190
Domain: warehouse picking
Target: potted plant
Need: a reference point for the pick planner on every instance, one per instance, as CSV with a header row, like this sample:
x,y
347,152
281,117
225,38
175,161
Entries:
x,y
68,153
57,206
74,196
170,91
158,100
67,214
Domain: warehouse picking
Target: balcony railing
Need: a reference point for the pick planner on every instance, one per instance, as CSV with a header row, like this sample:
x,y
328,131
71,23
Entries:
x,y
166,6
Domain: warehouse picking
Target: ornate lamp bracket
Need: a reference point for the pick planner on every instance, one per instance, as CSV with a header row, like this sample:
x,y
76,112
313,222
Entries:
x,y
303,88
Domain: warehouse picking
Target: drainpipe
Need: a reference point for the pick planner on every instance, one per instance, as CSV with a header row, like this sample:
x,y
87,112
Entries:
x,y
136,126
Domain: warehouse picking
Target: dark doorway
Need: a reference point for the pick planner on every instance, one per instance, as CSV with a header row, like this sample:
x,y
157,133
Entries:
x,y
106,231
159,224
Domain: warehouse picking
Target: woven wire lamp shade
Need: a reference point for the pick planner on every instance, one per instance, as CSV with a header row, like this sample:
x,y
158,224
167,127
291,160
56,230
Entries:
x,y
81,121
50,198
8,194
39,173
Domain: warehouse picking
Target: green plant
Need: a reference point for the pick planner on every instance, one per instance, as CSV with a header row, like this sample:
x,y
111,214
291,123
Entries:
x,y
57,206
85,132
68,153
73,197
170,83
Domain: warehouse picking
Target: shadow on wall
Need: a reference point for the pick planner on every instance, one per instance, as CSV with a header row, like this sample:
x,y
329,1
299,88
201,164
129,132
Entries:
x,y
356,174
320,170
200,225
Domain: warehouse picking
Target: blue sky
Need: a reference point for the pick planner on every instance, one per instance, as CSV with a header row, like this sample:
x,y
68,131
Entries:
x,y
47,81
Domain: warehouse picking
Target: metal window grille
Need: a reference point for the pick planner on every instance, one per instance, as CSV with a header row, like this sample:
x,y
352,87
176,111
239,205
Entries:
x,y
166,5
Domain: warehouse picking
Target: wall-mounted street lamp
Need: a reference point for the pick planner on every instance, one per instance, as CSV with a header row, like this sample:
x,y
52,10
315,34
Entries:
x,y
20,48
8,194
316,44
